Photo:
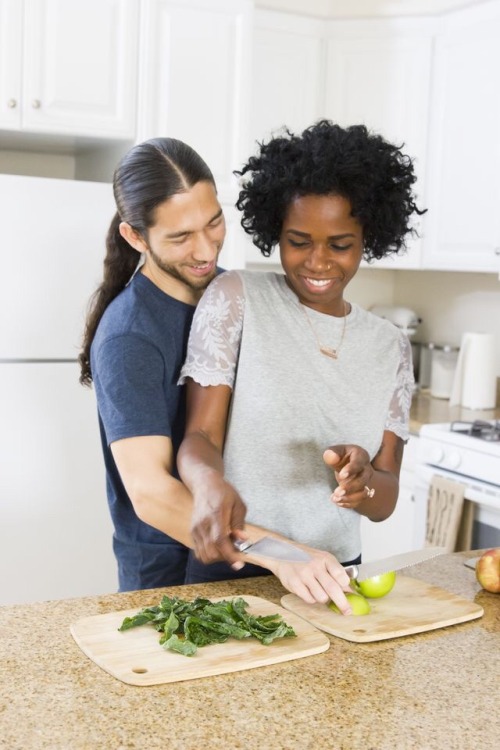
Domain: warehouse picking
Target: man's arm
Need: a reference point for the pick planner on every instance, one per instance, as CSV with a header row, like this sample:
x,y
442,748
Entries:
x,y
160,500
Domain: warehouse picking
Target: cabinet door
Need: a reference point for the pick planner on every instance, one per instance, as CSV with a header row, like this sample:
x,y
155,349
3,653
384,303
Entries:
x,y
378,74
464,159
194,79
11,26
80,67
288,73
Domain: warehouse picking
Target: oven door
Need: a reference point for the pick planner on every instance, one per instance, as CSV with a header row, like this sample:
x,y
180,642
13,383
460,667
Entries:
x,y
486,529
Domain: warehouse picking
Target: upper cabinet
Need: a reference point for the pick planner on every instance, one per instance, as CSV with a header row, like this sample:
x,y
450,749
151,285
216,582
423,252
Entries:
x,y
195,77
69,67
287,73
378,74
464,155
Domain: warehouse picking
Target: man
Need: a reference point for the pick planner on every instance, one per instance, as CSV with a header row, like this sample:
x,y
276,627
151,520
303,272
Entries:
x,y
161,253
168,217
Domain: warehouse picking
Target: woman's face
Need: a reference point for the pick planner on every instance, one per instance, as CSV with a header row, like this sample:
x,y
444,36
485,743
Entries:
x,y
321,246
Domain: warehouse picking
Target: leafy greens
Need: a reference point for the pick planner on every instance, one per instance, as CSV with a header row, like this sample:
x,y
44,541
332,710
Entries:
x,y
185,626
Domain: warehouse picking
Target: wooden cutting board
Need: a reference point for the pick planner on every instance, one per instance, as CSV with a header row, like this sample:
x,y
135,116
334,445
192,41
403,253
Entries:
x,y
135,656
412,606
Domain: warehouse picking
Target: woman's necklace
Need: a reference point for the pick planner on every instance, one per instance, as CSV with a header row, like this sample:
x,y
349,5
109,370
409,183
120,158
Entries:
x,y
324,349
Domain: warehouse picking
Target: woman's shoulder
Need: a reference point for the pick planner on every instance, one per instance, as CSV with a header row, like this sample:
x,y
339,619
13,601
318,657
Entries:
x,y
244,281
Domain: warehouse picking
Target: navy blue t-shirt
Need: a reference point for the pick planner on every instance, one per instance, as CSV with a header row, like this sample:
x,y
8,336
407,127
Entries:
x,y
136,356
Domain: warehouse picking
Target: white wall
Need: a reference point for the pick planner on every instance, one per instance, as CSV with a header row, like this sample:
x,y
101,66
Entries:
x,y
451,303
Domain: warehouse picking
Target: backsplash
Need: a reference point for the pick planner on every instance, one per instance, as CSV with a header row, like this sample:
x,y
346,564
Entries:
x,y
448,303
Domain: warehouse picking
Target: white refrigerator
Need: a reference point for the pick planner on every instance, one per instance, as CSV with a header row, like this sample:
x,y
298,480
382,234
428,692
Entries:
x,y
55,530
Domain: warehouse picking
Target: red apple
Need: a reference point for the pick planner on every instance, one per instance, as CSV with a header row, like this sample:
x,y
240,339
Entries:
x,y
488,570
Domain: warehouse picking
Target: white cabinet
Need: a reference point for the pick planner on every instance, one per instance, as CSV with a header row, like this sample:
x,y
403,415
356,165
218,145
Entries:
x,y
69,67
194,80
378,74
11,30
288,73
287,85
464,158
396,534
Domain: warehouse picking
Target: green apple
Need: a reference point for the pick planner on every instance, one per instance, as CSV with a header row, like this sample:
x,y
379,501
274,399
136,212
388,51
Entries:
x,y
358,603
377,586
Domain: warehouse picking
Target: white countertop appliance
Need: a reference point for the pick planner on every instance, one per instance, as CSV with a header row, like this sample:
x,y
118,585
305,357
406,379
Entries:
x,y
465,452
402,317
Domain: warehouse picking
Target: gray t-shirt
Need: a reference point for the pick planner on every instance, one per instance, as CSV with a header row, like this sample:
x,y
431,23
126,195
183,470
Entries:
x,y
290,402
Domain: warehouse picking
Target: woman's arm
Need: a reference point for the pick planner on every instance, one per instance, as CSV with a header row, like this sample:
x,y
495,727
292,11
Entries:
x,y
145,465
358,477
218,511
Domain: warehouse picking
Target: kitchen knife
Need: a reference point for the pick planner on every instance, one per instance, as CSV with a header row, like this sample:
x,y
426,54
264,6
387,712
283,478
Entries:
x,y
274,548
397,562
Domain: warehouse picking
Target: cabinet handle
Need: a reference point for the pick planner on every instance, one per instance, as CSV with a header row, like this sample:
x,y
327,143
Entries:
x,y
12,103
36,103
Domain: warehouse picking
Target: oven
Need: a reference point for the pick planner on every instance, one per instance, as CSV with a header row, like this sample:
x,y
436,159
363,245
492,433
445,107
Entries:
x,y
465,452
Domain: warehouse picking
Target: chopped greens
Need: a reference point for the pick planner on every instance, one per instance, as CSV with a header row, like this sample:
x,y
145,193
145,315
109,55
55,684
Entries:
x,y
185,626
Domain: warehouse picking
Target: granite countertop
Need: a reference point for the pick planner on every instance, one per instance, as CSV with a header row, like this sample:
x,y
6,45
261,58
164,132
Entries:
x,y
428,410
429,691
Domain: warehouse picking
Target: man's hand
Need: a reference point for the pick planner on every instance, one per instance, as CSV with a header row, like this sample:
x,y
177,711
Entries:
x,y
353,472
218,515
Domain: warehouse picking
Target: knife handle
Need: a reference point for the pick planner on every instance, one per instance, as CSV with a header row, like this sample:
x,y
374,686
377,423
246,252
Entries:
x,y
242,544
352,571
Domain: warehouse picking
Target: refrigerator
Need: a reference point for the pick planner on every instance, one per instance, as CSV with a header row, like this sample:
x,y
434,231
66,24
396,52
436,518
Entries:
x,y
55,530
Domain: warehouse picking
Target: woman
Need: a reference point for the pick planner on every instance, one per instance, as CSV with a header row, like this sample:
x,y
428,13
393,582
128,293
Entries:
x,y
282,366
161,252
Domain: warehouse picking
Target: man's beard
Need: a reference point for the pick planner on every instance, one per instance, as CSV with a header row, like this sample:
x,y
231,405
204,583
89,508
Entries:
x,y
189,281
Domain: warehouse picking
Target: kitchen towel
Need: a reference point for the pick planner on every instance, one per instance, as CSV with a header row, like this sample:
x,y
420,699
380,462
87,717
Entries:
x,y
444,512
475,383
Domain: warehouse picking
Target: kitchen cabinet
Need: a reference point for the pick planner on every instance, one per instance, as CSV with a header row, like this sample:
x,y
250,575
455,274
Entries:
x,y
396,534
372,72
288,73
463,231
287,84
378,73
195,78
69,67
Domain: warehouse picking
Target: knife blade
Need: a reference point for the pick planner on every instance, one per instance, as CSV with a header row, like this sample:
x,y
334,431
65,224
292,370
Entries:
x,y
274,548
397,562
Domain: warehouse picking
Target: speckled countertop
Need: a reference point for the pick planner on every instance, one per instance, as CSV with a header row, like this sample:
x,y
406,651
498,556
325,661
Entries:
x,y
432,691
425,410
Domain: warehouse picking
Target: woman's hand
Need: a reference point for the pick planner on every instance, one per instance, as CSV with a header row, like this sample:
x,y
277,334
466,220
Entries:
x,y
218,513
353,472
322,579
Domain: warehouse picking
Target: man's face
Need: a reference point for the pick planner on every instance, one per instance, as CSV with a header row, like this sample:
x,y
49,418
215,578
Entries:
x,y
185,240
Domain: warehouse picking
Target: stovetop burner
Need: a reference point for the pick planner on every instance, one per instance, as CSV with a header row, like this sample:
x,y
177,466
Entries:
x,y
479,429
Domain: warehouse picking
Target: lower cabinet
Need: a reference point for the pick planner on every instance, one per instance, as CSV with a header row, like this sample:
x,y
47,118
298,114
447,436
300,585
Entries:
x,y
395,535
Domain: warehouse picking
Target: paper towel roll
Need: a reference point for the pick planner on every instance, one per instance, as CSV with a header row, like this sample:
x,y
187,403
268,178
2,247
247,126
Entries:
x,y
475,383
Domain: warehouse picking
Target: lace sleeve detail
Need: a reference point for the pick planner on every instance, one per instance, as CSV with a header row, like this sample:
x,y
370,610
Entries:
x,y
398,418
215,336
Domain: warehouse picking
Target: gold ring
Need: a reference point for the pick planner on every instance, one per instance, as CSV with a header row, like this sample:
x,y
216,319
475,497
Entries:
x,y
369,492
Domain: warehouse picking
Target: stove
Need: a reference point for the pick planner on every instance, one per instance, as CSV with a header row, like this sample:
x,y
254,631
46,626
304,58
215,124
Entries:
x,y
479,429
468,453
471,449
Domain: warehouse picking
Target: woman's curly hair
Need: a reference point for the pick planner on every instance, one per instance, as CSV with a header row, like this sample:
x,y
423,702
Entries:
x,y
373,174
